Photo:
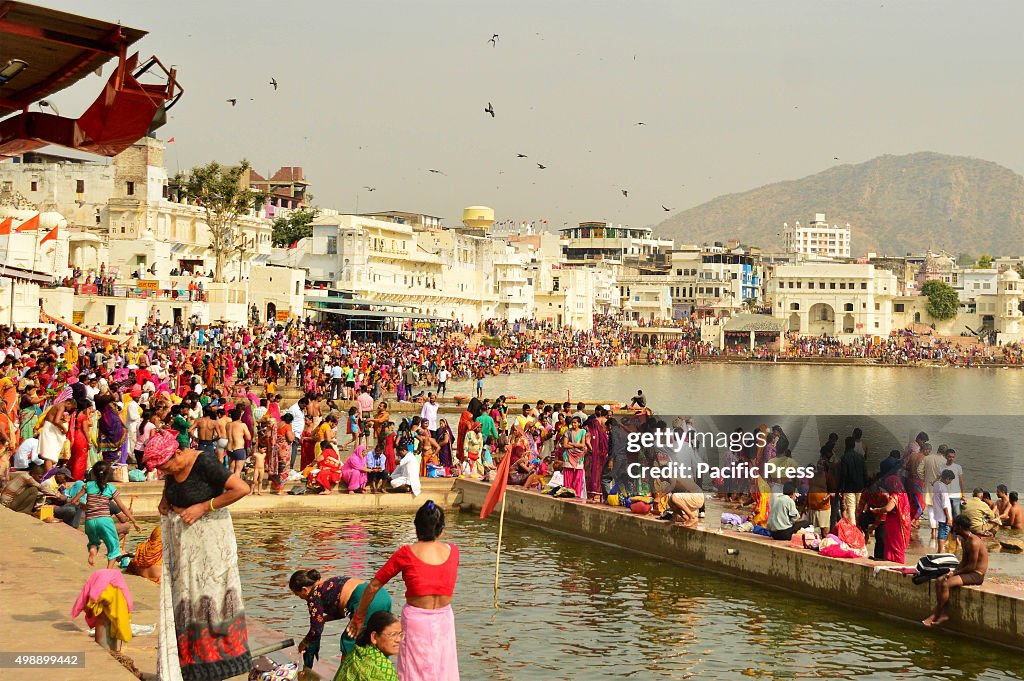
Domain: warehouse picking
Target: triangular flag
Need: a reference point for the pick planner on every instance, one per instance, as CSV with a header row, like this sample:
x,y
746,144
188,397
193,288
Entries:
x,y
52,236
5,226
294,245
170,140
30,225
497,493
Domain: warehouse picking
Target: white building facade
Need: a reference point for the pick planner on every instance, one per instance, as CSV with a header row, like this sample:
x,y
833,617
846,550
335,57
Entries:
x,y
817,239
833,299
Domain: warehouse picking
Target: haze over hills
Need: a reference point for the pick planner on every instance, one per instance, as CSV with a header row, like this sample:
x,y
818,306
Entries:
x,y
894,205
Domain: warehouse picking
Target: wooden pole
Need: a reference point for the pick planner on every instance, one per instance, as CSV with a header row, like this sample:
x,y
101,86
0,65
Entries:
x,y
497,558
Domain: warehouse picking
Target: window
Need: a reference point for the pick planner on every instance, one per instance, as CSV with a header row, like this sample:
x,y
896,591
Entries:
x,y
877,307
831,284
164,191
131,188
810,284
848,307
332,245
798,284
35,186
554,284
842,285
794,306
876,325
679,272
79,186
898,307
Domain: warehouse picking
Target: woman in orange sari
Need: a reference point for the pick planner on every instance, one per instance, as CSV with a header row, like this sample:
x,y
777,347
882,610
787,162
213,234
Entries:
x,y
473,409
330,468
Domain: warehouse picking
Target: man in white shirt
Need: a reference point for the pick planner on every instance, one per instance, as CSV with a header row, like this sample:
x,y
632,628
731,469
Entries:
x,y
957,486
442,381
298,412
28,452
429,412
337,372
941,509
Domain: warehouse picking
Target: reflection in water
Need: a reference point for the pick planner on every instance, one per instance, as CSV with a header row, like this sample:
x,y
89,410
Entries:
x,y
576,610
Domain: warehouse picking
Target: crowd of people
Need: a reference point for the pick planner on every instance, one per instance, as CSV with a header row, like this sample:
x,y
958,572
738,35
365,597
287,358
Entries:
x,y
200,409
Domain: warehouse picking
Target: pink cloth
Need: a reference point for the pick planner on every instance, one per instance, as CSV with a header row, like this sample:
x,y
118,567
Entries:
x,y
350,473
94,586
573,479
428,651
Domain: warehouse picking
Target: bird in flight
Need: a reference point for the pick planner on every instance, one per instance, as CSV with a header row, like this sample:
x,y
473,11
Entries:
x,y
641,123
625,192
520,155
541,166
369,189
494,40
273,81
232,101
667,210
489,109
436,172
835,158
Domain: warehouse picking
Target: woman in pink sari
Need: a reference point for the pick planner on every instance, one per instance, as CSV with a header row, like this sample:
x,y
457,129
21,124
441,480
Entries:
x,y
898,520
354,472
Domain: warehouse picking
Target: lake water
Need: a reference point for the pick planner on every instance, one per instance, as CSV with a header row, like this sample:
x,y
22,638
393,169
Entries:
x,y
971,410
577,610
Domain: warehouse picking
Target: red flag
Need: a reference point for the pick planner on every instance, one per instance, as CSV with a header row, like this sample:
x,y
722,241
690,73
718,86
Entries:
x,y
5,226
295,244
51,236
497,493
170,140
30,225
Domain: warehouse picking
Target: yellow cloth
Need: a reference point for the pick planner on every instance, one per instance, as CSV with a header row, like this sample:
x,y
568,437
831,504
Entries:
x,y
148,554
114,607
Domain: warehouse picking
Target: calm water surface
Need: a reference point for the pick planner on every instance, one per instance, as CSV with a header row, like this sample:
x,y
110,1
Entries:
x,y
576,610
778,389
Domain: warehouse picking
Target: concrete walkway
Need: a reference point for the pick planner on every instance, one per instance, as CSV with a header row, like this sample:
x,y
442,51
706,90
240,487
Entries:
x,y
992,612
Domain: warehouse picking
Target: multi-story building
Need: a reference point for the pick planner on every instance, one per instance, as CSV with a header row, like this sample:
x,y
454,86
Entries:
x,y
833,299
400,258
818,239
602,241
286,190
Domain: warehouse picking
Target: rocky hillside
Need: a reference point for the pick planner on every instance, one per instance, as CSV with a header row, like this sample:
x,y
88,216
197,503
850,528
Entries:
x,y
894,205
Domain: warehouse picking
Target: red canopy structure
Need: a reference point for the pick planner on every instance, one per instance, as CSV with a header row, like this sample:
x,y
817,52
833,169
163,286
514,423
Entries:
x,y
43,51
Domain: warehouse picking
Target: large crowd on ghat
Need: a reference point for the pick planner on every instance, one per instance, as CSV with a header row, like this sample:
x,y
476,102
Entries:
x,y
200,410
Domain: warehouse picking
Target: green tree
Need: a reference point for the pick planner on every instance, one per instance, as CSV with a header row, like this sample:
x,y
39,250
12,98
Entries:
x,y
220,191
965,260
1020,272
943,301
289,228
985,261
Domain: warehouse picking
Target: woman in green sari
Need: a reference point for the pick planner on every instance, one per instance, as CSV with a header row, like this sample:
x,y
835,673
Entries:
x,y
369,660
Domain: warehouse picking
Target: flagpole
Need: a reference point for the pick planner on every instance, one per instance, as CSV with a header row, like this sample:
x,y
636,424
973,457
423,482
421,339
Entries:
x,y
497,557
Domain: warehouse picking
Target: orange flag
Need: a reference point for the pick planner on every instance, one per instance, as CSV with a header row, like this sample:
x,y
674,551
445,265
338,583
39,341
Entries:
x,y
5,226
30,225
51,236
497,492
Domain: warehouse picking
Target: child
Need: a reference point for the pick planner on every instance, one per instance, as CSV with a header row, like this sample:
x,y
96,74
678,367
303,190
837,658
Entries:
x,y
99,526
353,427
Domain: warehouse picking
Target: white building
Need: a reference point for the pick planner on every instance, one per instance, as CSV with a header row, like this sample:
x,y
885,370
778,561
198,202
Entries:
x,y
404,259
818,239
602,241
833,299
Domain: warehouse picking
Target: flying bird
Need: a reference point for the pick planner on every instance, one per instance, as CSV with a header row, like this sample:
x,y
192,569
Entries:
x,y
233,101
489,109
667,210
494,40
641,123
273,81
835,158
625,192
541,166
437,172
369,189
520,155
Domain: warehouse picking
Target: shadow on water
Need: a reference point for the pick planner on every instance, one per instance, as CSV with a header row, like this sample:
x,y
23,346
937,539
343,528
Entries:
x,y
577,610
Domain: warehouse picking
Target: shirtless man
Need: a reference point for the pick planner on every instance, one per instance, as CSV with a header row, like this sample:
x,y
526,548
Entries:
x,y
1015,514
238,434
206,431
223,421
970,572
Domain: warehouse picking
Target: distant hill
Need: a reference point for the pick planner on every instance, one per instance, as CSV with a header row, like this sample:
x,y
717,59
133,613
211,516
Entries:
x,y
894,204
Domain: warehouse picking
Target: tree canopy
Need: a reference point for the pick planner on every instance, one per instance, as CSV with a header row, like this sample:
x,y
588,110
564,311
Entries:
x,y
221,192
289,228
943,301
984,261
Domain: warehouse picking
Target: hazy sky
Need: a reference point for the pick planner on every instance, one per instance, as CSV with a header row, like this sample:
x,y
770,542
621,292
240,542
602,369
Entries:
x,y
734,95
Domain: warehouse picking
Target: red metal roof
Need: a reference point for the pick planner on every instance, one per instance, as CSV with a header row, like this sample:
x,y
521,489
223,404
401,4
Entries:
x,y
59,48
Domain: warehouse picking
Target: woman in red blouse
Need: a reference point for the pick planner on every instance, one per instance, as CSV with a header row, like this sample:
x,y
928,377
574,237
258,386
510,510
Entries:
x,y
429,568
